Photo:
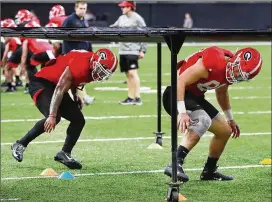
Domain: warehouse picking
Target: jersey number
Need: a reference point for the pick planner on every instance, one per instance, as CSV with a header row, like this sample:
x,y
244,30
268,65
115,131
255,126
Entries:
x,y
209,85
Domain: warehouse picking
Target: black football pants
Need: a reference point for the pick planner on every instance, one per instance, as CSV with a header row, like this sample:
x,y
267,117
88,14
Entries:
x,y
68,109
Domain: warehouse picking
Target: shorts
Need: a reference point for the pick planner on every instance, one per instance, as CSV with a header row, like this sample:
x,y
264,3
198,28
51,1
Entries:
x,y
15,58
37,85
192,103
128,62
2,49
39,58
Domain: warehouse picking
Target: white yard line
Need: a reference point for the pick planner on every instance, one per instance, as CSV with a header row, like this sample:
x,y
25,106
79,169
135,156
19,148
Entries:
x,y
121,117
128,139
135,172
11,199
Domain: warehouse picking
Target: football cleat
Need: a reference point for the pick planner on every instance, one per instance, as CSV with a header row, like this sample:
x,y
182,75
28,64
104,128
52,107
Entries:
x,y
138,101
128,101
17,151
67,160
213,175
181,176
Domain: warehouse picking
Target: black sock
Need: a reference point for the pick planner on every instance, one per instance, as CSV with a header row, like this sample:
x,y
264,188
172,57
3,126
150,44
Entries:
x,y
27,85
17,78
211,163
37,130
9,84
181,154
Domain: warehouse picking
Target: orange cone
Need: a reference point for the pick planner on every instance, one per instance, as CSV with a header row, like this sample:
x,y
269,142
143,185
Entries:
x,y
49,172
181,198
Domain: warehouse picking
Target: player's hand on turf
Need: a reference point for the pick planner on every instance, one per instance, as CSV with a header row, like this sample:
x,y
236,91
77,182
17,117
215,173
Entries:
x,y
50,124
183,122
235,129
141,55
79,101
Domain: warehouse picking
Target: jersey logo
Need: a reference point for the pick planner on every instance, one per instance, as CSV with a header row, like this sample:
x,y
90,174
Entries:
x,y
209,85
247,56
102,55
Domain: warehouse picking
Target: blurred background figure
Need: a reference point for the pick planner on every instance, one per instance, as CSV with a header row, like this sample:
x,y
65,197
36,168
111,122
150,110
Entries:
x,y
77,19
131,52
188,21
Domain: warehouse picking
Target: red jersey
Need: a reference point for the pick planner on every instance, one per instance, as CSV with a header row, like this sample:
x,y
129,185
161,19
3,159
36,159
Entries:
x,y
78,63
58,20
215,62
14,43
39,46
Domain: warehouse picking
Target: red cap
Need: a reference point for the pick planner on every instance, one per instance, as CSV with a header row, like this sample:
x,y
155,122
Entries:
x,y
131,4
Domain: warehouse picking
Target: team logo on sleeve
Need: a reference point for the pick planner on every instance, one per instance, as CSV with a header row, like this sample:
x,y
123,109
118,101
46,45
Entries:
x,y
247,56
103,55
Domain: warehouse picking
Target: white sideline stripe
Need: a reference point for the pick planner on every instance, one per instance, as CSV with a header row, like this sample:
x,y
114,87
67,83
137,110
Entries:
x,y
117,101
126,139
134,172
86,118
11,199
250,43
119,117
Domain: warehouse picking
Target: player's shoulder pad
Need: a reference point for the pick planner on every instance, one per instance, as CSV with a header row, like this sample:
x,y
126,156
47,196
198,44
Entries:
x,y
213,57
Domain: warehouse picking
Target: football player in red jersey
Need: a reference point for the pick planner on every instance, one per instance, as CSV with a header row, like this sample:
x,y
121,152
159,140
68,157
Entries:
x,y
211,68
9,59
36,52
57,15
49,90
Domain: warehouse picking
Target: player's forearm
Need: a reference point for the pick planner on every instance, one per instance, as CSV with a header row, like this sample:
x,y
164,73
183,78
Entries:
x,y
180,95
56,100
223,100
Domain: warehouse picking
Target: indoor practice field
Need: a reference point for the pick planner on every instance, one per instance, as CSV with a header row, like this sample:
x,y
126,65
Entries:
x,y
117,166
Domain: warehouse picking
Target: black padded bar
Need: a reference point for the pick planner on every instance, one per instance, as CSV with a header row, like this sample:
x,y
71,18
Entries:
x,y
144,34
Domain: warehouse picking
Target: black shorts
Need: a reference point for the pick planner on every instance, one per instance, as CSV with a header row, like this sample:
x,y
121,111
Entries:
x,y
2,49
192,103
68,109
36,84
15,58
128,62
39,58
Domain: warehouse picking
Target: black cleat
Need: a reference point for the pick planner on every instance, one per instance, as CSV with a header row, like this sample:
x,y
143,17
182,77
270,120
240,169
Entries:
x,y
128,101
180,173
17,151
67,160
213,175
19,83
138,101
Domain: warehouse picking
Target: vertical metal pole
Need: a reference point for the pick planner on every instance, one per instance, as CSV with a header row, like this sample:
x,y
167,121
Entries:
x,y
174,138
159,87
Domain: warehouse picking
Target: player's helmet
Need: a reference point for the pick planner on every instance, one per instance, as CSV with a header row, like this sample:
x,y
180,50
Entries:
x,y
131,4
51,24
32,24
56,11
22,16
8,23
104,64
244,65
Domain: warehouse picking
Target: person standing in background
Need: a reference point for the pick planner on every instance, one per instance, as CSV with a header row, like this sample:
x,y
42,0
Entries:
x,y
188,21
77,19
131,52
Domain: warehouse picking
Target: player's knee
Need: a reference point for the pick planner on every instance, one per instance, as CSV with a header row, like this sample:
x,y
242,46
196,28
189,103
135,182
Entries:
x,y
79,121
201,122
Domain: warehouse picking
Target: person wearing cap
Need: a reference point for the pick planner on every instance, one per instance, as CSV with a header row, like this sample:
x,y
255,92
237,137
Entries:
x,y
131,52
